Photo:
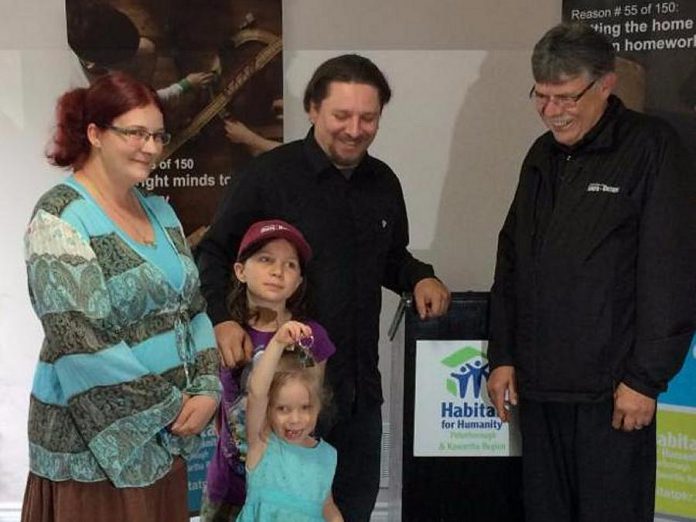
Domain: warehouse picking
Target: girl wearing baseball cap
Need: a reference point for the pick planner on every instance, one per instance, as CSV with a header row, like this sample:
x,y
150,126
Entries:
x,y
268,293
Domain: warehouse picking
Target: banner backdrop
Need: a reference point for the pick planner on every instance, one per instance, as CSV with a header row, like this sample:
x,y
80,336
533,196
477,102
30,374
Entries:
x,y
217,68
656,45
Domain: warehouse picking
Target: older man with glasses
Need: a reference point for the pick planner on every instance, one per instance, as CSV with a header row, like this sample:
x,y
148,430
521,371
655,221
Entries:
x,y
594,299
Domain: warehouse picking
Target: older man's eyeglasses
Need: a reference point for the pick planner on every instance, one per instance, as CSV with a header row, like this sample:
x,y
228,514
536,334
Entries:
x,y
139,135
565,101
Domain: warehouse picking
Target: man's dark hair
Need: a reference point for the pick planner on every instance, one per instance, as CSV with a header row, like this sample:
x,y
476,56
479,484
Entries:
x,y
571,49
348,68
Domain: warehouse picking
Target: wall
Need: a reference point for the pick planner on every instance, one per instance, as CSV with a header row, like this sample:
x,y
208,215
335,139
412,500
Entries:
x,y
455,132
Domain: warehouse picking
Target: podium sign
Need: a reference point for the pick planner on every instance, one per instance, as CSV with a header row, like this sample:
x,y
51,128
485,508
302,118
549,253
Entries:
x,y
453,415
451,458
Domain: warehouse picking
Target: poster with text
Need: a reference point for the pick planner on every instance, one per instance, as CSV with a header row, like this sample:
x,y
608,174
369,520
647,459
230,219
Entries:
x,y
217,68
656,46
676,443
453,416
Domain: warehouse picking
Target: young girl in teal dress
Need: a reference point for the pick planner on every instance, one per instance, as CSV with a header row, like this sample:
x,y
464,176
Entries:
x,y
289,471
268,291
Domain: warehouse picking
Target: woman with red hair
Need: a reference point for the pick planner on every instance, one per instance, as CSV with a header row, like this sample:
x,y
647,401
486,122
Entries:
x,y
127,374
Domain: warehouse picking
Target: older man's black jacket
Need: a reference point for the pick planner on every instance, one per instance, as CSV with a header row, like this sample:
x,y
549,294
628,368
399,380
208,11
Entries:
x,y
595,281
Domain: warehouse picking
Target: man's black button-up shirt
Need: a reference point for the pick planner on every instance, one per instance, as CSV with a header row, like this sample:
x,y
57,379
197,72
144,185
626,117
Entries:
x,y
358,230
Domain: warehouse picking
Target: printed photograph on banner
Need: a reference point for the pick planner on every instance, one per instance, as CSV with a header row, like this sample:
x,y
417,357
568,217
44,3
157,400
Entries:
x,y
453,415
656,47
675,493
682,388
676,443
217,68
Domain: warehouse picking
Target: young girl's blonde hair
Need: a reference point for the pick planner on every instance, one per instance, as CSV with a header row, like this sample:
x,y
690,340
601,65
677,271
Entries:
x,y
293,366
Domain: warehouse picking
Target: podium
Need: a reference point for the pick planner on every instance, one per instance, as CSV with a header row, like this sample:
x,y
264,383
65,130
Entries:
x,y
427,481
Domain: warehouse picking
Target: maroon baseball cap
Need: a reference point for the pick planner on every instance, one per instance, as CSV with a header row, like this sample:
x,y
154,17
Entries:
x,y
275,229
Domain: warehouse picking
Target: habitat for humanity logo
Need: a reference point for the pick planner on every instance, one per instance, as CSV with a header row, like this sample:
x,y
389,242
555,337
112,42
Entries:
x,y
468,368
466,374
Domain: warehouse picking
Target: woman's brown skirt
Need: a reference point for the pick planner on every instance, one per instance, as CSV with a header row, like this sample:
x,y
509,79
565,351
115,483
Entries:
x,y
72,501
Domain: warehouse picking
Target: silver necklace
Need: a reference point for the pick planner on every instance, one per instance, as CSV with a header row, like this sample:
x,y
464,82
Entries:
x,y
145,234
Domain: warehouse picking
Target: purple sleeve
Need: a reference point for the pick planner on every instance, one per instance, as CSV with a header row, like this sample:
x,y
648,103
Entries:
x,y
323,348
230,378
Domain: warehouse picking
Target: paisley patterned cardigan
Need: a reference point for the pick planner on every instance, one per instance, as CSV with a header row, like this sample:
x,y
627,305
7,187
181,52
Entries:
x,y
121,344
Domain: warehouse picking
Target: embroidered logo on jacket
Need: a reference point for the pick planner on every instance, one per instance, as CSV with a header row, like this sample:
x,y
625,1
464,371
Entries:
x,y
601,187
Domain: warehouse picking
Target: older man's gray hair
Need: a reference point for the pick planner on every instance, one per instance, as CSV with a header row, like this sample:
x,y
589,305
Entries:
x,y
569,50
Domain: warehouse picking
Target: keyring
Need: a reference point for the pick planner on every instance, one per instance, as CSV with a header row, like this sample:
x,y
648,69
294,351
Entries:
x,y
305,356
306,342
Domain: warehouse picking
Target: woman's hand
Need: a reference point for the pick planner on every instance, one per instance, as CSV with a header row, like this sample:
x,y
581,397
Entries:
x,y
195,414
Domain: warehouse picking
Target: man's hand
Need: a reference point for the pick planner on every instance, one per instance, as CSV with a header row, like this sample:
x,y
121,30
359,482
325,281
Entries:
x,y
234,344
432,298
195,413
502,390
632,410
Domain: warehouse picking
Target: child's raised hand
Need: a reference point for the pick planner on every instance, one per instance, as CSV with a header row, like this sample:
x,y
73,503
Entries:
x,y
291,332
260,381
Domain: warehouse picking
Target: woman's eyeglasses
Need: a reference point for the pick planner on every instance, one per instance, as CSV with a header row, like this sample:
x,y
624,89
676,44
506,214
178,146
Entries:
x,y
139,135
